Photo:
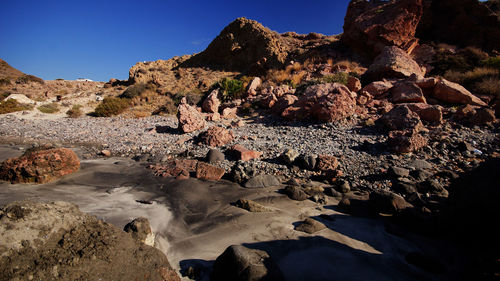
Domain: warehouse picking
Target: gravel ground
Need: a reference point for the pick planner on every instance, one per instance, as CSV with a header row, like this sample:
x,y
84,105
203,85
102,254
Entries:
x,y
361,150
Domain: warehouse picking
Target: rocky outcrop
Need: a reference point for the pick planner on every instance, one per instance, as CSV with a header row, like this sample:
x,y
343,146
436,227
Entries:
x,y
239,263
323,102
369,26
55,241
241,45
40,166
189,118
460,22
392,63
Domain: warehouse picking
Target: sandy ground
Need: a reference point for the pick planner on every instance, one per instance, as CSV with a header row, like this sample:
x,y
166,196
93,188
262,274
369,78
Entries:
x,y
194,222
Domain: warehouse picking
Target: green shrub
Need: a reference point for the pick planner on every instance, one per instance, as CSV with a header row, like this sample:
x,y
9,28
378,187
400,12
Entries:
x,y
111,106
12,105
75,111
230,89
339,77
136,90
29,78
492,62
49,108
4,81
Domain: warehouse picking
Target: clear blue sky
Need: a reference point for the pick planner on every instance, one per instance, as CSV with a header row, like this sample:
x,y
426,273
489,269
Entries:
x,y
103,39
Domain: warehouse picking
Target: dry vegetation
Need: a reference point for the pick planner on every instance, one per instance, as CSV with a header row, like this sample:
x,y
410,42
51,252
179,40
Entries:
x,y
75,111
49,108
12,105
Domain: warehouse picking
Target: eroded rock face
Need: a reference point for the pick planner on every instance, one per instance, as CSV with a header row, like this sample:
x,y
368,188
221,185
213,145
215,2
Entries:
x,y
239,263
393,62
59,242
369,26
324,102
189,118
40,166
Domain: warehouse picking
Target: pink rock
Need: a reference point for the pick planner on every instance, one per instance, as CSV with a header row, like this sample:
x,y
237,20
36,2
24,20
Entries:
x,y
244,154
283,102
216,136
450,92
189,118
393,63
404,92
213,116
327,163
354,84
377,88
229,112
212,103
252,87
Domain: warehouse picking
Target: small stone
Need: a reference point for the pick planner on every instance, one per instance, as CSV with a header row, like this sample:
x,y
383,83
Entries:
x,y
327,163
214,156
295,193
420,164
244,154
398,172
208,172
344,186
289,156
307,162
105,153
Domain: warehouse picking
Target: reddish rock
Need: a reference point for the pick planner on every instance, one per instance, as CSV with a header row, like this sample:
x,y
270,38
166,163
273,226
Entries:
x,y
294,113
404,92
466,111
402,118
283,102
388,202
483,116
205,171
327,163
189,118
105,153
169,171
252,87
377,88
369,26
427,83
450,92
268,101
216,136
186,164
212,102
213,116
244,154
326,102
393,63
405,141
353,84
427,112
229,112
40,166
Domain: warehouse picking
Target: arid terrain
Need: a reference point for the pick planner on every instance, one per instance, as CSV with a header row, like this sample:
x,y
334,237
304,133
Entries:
x,y
372,154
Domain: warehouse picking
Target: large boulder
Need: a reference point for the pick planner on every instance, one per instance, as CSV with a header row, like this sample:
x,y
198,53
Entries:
x,y
324,102
407,91
189,118
55,241
211,103
40,166
450,92
369,26
392,63
427,112
401,118
239,263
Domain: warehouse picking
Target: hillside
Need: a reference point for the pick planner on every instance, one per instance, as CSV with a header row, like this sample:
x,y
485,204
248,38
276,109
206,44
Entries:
x,y
7,71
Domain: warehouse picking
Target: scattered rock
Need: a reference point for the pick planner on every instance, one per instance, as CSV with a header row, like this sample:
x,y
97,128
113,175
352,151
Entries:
x,y
420,164
430,113
377,88
402,118
327,163
251,206
214,156
242,171
310,226
405,141
212,102
388,202
141,230
289,156
106,153
483,116
406,91
353,84
208,172
40,166
189,118
295,193
404,188
252,87
343,186
229,112
454,93
398,172
283,102
432,187
262,181
239,263
307,162
216,136
244,154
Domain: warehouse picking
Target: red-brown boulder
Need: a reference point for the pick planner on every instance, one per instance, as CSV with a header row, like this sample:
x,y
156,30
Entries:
x,y
205,171
244,154
216,136
401,118
283,102
369,26
427,112
393,63
212,102
405,141
377,88
450,92
327,163
40,166
353,84
404,92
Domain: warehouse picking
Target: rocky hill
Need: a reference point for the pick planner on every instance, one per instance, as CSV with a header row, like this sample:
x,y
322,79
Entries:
x,y
7,71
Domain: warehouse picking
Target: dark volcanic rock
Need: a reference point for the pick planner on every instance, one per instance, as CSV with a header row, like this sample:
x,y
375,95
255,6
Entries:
x,y
239,263
295,193
388,202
